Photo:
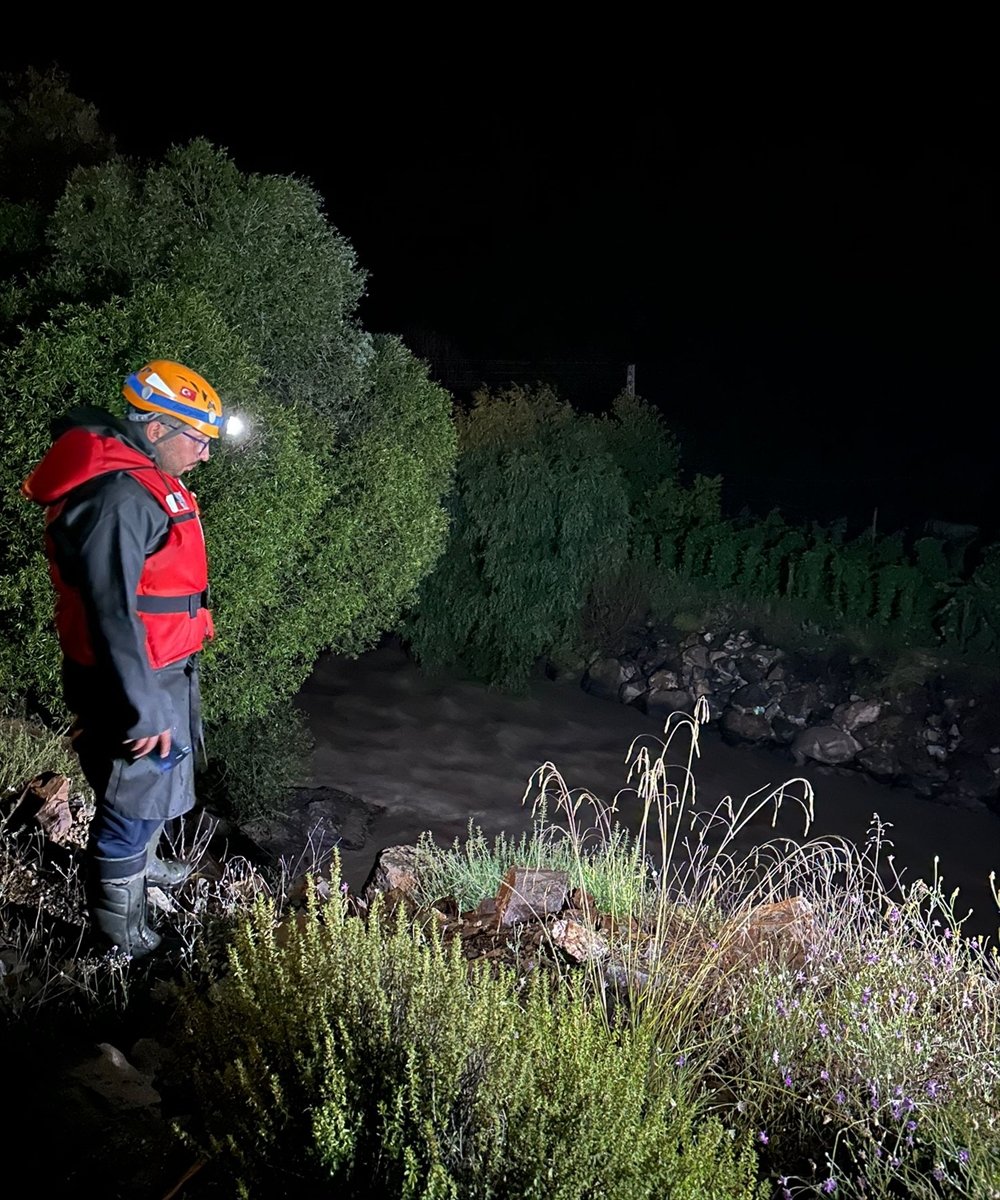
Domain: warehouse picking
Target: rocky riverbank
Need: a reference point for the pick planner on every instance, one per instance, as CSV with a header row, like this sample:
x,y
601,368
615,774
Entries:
x,y
928,724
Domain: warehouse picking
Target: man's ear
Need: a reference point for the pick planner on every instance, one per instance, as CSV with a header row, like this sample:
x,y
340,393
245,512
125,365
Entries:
x,y
155,430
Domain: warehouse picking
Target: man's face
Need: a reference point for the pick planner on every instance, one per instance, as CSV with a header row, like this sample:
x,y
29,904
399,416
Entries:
x,y
177,450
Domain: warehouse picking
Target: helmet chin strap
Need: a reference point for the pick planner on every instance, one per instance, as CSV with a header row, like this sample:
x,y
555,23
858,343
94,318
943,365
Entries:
x,y
171,433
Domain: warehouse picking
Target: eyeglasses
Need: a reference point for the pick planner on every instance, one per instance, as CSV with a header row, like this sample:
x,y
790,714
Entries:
x,y
202,443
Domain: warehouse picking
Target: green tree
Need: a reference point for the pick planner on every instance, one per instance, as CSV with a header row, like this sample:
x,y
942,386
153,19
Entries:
x,y
323,522
46,132
539,512
259,246
671,512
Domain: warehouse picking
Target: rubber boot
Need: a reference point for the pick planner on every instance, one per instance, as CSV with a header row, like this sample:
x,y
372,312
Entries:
x,y
164,872
118,910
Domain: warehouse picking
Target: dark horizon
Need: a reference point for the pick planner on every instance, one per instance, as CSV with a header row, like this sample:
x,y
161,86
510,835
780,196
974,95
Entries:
x,y
806,289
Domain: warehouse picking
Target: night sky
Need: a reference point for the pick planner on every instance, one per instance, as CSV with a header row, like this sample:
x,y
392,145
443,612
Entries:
x,y
802,271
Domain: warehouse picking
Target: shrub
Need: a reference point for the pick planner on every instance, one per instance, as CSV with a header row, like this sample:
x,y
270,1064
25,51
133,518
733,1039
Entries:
x,y
855,1040
322,523
366,1057
259,247
539,511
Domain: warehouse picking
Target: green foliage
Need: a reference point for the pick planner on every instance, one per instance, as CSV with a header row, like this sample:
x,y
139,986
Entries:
x,y
725,556
322,522
539,511
45,133
970,620
22,233
366,1057
28,750
258,246
697,547
811,578
672,511
470,870
853,592
331,542
391,479
878,1063
646,452
932,559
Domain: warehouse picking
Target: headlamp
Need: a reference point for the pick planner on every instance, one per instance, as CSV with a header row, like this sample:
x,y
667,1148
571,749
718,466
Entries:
x,y
234,427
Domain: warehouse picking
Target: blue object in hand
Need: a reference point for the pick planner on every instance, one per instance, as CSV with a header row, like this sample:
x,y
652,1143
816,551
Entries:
x,y
168,761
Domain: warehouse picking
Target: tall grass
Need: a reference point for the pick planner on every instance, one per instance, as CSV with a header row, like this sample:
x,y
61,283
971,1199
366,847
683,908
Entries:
x,y
828,1009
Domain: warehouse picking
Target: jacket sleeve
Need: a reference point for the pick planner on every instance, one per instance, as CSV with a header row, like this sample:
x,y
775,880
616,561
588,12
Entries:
x,y
101,540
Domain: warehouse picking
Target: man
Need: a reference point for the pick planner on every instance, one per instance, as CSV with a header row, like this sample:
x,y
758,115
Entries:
x,y
127,559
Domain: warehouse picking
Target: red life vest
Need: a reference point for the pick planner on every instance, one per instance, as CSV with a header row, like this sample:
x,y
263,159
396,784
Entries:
x,y
172,595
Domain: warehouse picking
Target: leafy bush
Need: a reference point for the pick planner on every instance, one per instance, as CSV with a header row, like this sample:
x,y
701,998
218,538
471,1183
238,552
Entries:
x,y
321,524
970,620
539,511
361,1057
258,246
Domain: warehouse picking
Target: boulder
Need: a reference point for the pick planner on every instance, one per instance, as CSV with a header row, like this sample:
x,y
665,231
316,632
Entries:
x,y
824,744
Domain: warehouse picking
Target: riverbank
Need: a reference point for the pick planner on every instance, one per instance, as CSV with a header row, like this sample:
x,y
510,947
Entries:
x,y
412,752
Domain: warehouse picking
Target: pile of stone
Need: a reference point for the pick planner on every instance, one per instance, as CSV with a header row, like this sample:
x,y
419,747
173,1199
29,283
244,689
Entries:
x,y
939,737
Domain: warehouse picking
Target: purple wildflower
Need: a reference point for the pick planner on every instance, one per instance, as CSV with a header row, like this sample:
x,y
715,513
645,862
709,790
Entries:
x,y
829,1186
788,1079
762,1137
824,1075
866,995
824,1029
963,1156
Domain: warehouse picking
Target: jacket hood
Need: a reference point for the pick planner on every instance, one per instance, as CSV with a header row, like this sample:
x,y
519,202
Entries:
x,y
88,443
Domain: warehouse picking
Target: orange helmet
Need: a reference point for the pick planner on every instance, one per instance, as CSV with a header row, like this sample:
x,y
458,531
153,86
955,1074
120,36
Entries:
x,y
168,387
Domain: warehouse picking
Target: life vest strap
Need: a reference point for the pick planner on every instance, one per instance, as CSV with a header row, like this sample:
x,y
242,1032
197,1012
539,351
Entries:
x,y
172,604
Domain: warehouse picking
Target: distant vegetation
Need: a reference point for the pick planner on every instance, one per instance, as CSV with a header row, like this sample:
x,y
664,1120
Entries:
x,y
566,528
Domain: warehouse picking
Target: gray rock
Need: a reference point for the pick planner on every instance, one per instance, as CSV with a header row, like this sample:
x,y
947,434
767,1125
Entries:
x,y
859,712
825,744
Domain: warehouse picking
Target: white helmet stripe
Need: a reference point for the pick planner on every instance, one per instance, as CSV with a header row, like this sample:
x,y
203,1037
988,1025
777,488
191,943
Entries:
x,y
154,381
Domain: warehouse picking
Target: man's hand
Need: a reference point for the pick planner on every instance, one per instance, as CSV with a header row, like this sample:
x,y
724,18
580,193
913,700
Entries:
x,y
160,742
